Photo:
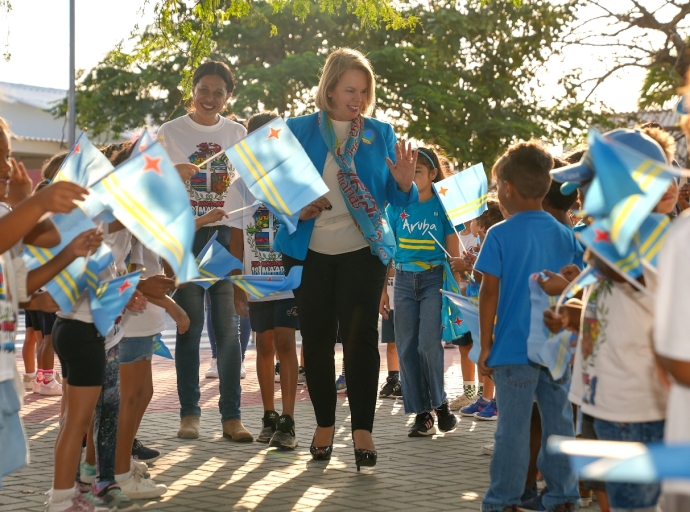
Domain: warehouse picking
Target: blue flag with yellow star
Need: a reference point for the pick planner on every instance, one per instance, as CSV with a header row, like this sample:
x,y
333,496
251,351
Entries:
x,y
110,298
464,194
452,323
214,260
277,171
67,286
147,195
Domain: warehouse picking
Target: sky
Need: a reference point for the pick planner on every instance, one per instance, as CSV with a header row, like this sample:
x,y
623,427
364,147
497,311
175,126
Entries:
x,y
39,44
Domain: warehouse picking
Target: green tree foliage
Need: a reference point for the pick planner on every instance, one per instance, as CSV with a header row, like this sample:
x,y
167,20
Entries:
x,y
464,78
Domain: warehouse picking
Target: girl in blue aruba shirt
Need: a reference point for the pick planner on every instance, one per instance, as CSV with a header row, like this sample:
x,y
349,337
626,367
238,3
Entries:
x,y
419,277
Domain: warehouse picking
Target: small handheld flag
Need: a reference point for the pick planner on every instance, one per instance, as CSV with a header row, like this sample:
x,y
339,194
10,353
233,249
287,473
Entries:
x,y
84,165
258,287
110,298
469,306
464,195
215,261
651,236
147,195
597,237
452,322
160,349
143,142
276,170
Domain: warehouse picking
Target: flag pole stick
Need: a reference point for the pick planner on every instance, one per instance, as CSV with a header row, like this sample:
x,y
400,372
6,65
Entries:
x,y
88,254
461,242
439,244
210,159
562,297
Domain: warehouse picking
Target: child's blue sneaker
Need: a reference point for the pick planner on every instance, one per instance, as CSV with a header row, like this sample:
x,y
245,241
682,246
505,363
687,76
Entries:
x,y
340,385
475,407
488,413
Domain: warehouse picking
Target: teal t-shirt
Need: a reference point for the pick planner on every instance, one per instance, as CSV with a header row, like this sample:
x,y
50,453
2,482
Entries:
x,y
413,226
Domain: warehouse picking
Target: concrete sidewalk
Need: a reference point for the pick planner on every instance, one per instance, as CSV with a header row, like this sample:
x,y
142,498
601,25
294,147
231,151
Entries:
x,y
444,472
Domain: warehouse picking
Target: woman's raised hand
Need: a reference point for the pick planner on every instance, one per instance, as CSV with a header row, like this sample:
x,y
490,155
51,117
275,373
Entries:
x,y
404,166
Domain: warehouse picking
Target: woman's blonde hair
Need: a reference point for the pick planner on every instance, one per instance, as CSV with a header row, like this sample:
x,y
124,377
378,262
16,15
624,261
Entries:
x,y
337,63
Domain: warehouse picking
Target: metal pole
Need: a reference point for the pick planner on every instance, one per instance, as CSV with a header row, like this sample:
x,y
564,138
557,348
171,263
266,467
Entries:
x,y
71,97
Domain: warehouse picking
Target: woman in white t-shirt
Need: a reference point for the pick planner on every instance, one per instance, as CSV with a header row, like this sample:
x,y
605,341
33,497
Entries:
x,y
190,140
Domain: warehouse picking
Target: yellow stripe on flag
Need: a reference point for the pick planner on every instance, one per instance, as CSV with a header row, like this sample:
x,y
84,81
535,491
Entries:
x,y
472,205
247,287
266,177
140,213
623,213
69,291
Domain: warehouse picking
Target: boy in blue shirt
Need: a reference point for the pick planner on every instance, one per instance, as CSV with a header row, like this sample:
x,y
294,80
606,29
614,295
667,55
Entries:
x,y
529,241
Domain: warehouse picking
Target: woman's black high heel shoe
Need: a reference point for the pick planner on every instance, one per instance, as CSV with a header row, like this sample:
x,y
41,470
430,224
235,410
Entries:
x,y
321,452
366,458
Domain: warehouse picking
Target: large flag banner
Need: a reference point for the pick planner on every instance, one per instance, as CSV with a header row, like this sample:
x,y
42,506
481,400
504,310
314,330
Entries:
x,y
84,165
259,287
67,286
277,171
452,324
464,194
110,298
469,306
215,262
147,195
597,237
617,461
144,141
651,236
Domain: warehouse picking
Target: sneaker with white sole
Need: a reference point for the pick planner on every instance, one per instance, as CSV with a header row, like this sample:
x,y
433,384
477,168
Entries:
x,y
114,498
28,381
243,371
87,472
36,385
140,468
284,436
423,426
79,502
474,407
269,421
489,413
144,453
138,488
212,372
51,388
459,402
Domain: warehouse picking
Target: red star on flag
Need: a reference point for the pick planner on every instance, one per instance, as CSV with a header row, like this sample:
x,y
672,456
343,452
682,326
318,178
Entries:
x,y
77,149
275,133
601,236
404,215
458,321
123,287
443,191
143,146
153,164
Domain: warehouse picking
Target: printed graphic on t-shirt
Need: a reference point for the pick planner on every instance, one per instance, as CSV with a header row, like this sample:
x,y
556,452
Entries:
x,y
260,233
207,188
8,318
417,228
593,337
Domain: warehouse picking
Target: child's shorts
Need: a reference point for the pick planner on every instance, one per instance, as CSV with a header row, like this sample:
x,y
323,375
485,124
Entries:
x,y
81,350
624,495
47,322
267,315
33,319
463,341
137,348
388,328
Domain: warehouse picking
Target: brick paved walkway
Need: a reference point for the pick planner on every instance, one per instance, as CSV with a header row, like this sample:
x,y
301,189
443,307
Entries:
x,y
444,472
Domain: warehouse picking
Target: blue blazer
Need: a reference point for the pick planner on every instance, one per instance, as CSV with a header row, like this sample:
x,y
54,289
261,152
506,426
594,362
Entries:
x,y
378,142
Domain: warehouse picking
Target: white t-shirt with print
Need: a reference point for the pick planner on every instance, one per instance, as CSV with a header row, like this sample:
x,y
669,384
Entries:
x,y
671,332
615,376
152,320
259,227
189,142
335,232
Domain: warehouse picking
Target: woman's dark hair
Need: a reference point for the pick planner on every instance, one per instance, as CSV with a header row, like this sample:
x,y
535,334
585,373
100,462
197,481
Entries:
x,y
214,67
258,120
428,158
52,165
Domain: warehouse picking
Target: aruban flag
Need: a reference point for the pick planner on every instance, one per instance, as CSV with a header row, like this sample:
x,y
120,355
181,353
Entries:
x,y
651,236
464,194
277,171
258,287
147,195
469,306
67,286
110,298
215,262
452,323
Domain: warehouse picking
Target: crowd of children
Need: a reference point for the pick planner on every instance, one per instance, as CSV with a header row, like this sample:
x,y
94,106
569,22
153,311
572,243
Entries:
x,y
629,378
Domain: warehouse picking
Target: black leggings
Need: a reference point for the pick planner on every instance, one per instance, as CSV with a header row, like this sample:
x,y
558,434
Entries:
x,y
341,291
81,350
